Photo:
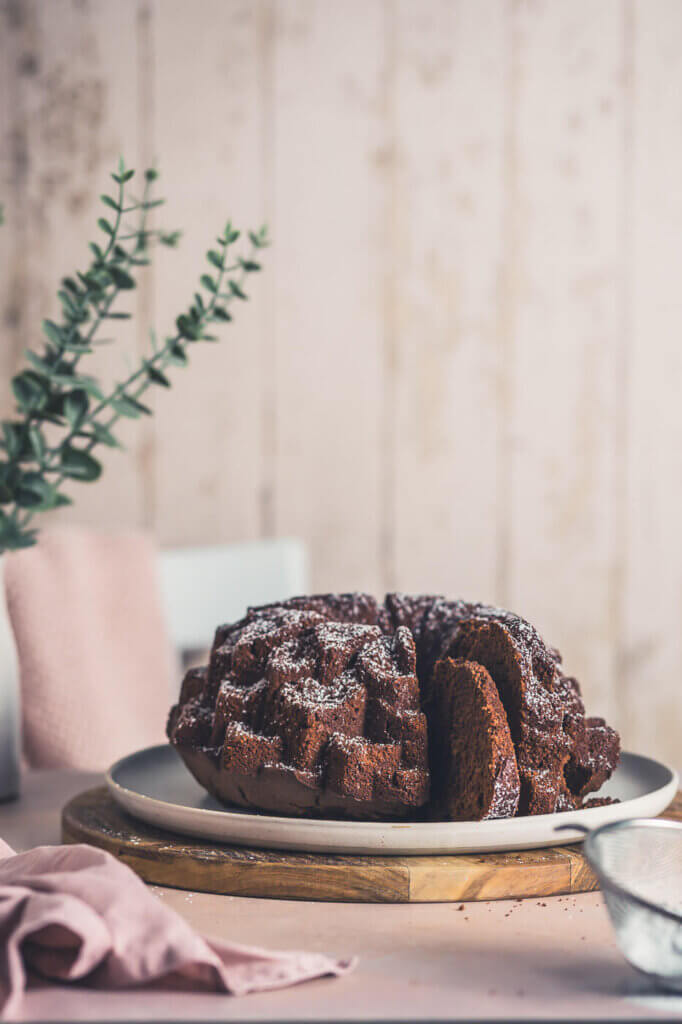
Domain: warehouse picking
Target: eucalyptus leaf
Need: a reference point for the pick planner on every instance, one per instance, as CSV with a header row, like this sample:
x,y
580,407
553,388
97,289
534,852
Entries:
x,y
126,405
48,416
121,278
29,391
103,435
52,498
177,355
67,301
32,490
123,177
12,438
75,407
90,386
7,493
236,289
14,539
59,501
220,313
39,362
77,346
53,332
25,497
259,239
37,442
187,329
78,464
157,377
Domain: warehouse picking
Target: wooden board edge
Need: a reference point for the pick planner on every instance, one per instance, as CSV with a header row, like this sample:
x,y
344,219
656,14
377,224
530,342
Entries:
x,y
583,878
343,883
488,877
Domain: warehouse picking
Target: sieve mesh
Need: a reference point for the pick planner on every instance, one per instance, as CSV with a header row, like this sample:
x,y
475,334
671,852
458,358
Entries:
x,y
639,866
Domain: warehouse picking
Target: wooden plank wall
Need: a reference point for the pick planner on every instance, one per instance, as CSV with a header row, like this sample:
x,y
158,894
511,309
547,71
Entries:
x,y
461,368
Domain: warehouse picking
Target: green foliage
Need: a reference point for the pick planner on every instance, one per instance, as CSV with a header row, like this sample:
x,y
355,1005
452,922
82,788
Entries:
x,y
62,414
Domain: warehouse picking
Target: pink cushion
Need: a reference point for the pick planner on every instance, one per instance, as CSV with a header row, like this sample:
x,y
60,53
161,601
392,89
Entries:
x,y
95,662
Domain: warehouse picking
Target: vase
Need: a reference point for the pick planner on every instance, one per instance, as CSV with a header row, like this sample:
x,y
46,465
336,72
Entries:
x,y
10,718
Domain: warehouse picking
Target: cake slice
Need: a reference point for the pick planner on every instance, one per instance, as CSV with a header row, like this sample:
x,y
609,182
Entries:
x,y
473,764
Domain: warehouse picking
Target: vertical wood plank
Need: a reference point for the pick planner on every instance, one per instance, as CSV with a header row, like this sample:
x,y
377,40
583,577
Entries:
x,y
73,79
330,188
449,121
651,638
568,268
210,128
17,42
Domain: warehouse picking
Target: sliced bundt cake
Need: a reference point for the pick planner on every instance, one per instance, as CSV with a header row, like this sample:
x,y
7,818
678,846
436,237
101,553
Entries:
x,y
319,705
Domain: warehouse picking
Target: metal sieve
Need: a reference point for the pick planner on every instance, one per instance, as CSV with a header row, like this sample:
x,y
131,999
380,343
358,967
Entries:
x,y
639,867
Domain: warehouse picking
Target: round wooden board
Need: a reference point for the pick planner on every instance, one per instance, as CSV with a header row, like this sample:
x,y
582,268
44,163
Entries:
x,y
186,863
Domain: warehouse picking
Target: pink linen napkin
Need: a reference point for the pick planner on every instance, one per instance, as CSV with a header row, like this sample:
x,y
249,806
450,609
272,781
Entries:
x,y
95,662
74,913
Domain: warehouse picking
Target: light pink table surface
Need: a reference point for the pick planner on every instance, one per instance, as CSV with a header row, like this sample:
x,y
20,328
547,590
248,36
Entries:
x,y
536,958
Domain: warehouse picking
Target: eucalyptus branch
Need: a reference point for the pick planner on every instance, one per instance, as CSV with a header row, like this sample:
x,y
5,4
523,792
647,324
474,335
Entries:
x,y
102,311
63,414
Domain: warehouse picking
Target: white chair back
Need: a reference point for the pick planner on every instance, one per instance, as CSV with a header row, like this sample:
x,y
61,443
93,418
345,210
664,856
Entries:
x,y
202,587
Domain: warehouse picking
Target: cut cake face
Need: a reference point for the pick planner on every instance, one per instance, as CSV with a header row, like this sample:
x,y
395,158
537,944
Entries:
x,y
473,763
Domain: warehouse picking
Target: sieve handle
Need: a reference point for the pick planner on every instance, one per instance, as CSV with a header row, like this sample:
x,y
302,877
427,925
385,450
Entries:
x,y
572,828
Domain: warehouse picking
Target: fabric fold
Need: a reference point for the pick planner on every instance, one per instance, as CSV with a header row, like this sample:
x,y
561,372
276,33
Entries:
x,y
75,913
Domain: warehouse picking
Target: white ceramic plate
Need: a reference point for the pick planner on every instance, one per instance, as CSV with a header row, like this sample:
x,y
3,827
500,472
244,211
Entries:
x,y
154,785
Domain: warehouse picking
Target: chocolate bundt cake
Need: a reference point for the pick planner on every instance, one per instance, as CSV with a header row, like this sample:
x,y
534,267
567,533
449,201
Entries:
x,y
338,706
